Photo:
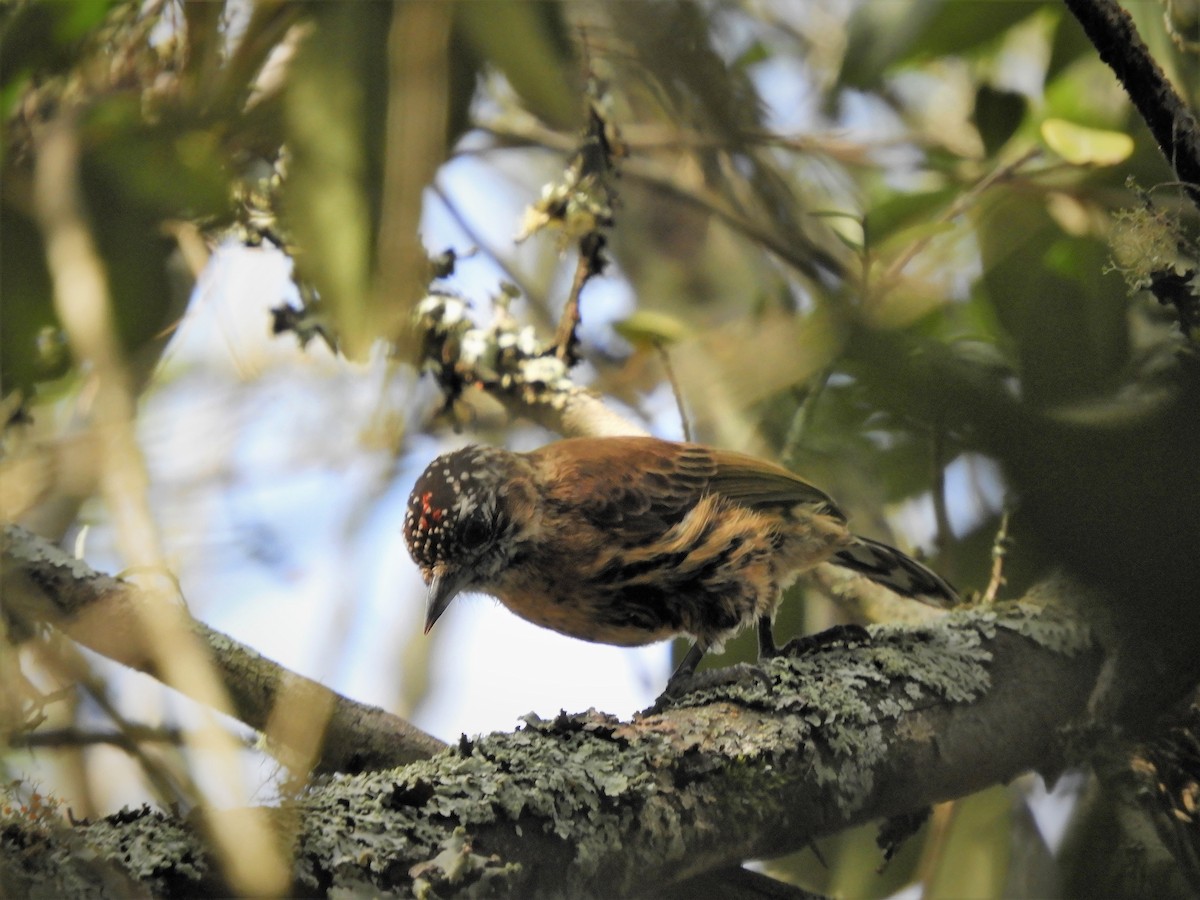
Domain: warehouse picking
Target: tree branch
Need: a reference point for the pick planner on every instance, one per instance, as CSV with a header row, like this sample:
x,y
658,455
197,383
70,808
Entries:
x,y
512,366
43,584
588,806
1172,123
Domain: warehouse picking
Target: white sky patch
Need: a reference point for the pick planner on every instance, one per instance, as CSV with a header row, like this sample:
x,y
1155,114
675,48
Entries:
x,y
1052,809
492,667
974,491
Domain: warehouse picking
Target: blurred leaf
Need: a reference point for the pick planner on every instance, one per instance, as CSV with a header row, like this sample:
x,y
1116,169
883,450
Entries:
x,y
527,42
878,35
45,37
885,36
168,169
900,241
1087,93
902,210
673,52
742,362
1069,44
998,114
959,28
335,108
856,864
649,328
1084,146
972,857
1070,326
27,317
756,53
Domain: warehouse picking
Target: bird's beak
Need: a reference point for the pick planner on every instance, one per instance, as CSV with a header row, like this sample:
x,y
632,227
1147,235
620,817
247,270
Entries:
x,y
443,588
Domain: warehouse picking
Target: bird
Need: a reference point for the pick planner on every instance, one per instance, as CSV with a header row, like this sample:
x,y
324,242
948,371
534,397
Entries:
x,y
633,540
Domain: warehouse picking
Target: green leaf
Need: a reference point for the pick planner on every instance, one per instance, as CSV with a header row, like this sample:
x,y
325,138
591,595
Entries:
x,y
527,43
900,211
44,38
998,114
1083,146
885,36
334,109
649,328
26,306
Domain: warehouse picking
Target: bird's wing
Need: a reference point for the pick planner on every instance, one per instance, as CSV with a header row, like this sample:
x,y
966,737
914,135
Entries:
x,y
645,485
632,484
758,483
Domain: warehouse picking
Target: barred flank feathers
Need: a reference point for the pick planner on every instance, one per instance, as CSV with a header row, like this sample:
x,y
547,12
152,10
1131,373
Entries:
x,y
894,570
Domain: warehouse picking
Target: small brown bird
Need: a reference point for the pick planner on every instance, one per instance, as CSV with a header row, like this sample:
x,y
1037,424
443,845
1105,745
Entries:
x,y
630,540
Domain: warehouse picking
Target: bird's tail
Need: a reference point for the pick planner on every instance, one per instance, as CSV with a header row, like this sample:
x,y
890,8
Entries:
x,y
896,571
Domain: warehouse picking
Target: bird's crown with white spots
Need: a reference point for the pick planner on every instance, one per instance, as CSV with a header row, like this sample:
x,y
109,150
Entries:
x,y
453,507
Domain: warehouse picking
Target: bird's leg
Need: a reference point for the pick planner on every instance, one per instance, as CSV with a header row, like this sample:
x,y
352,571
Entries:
x,y
838,634
766,639
687,667
686,680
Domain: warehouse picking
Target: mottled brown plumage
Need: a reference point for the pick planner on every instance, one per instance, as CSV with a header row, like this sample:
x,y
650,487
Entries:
x,y
631,540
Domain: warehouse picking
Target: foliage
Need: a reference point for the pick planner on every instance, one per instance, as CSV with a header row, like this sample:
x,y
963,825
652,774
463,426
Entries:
x,y
925,252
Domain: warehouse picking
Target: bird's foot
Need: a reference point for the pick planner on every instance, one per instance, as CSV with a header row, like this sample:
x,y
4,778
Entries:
x,y
682,683
838,634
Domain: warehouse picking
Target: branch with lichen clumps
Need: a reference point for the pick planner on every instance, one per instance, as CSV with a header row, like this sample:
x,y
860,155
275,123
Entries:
x,y
508,362
589,806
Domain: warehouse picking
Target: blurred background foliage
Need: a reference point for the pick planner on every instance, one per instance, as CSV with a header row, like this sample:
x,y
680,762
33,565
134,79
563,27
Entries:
x,y
903,246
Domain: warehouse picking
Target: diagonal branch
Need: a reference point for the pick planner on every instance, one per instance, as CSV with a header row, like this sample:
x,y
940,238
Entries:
x,y
41,583
1173,124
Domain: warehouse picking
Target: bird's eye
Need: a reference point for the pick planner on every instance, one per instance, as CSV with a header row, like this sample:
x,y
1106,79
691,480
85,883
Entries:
x,y
475,532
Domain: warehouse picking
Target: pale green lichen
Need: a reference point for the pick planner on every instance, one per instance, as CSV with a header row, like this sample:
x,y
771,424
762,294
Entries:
x,y
1050,626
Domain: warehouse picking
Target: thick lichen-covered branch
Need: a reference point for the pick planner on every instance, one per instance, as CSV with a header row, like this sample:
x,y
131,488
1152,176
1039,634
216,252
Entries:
x,y
587,805
42,584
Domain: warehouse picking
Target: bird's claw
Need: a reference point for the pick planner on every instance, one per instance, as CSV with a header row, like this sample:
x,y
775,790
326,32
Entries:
x,y
838,634
728,676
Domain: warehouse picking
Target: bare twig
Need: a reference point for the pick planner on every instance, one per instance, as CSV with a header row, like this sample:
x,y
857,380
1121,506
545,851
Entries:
x,y
126,738
941,512
479,241
999,551
665,355
591,262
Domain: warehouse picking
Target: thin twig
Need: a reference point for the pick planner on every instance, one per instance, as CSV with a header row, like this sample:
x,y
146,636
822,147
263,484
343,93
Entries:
x,y
566,338
665,356
479,241
999,551
941,512
171,785
957,208
126,739
803,417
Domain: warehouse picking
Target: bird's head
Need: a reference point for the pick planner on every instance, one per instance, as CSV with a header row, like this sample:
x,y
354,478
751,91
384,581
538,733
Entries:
x,y
459,526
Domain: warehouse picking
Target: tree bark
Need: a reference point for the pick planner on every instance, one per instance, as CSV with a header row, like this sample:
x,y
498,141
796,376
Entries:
x,y
587,805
